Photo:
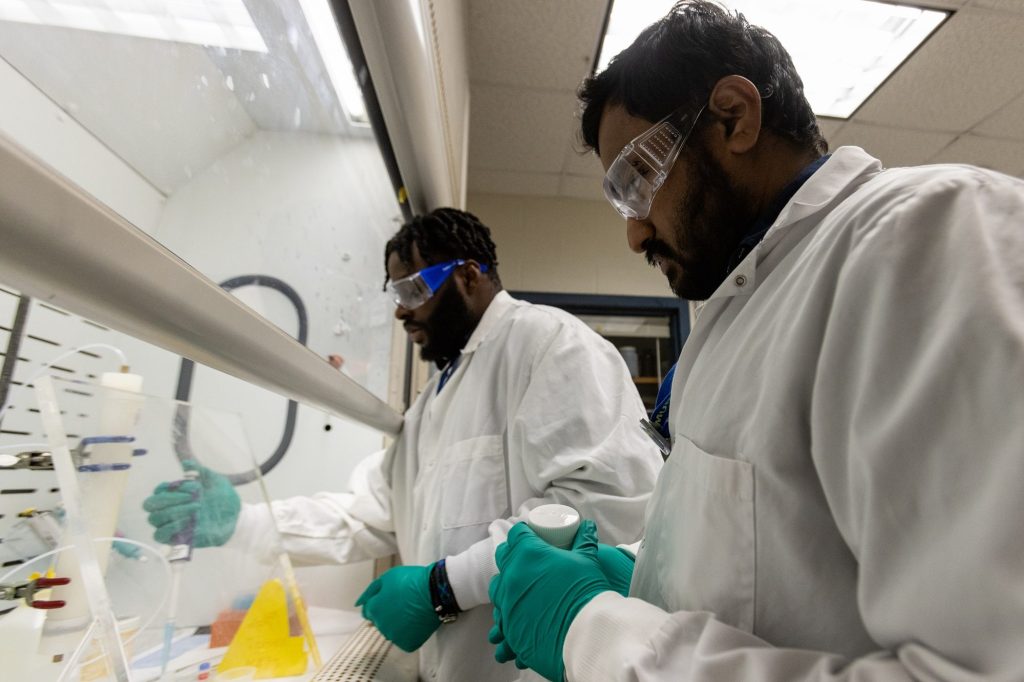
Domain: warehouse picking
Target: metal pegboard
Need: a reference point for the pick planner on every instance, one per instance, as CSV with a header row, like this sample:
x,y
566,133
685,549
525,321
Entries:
x,y
48,332
367,657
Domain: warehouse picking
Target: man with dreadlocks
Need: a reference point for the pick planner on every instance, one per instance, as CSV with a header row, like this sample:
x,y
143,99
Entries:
x,y
530,407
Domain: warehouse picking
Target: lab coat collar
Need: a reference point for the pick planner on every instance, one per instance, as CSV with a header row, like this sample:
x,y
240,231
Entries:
x,y
500,305
846,169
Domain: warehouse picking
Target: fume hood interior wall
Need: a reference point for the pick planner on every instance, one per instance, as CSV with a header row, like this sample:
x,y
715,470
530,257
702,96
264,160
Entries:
x,y
313,211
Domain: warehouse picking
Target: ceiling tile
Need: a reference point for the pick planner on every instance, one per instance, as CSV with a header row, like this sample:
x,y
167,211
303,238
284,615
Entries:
x,y
512,182
1007,122
893,146
518,129
957,78
936,4
999,5
1001,155
830,127
580,187
536,43
586,164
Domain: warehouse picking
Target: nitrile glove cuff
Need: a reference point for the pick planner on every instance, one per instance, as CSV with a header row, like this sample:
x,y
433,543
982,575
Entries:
x,y
398,604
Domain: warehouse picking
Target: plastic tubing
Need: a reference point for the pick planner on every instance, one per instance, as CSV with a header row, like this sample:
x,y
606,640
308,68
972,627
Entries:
x,y
26,446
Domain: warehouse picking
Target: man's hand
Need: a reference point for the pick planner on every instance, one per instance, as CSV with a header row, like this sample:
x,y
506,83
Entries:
x,y
209,503
617,565
537,593
398,604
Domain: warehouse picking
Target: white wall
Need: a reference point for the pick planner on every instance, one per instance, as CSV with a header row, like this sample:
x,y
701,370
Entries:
x,y
558,244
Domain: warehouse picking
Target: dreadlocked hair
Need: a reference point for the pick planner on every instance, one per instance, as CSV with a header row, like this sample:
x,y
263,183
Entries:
x,y
444,234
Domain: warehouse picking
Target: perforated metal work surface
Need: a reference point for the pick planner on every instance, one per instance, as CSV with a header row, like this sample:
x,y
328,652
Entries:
x,y
366,657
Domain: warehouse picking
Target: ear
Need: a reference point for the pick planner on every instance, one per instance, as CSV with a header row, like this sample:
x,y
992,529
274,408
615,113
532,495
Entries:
x,y
736,103
469,277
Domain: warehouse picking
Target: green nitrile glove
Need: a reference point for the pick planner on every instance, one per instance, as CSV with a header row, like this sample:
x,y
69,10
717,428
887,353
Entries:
x,y
617,565
398,604
210,503
537,593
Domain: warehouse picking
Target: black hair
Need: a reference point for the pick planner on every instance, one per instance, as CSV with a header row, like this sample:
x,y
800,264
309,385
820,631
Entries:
x,y
676,61
444,234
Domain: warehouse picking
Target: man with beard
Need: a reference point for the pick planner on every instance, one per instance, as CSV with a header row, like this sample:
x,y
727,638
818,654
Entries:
x,y
845,493
530,407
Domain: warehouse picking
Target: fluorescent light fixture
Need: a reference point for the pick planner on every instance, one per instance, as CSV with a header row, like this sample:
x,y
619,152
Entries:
x,y
216,23
339,67
842,49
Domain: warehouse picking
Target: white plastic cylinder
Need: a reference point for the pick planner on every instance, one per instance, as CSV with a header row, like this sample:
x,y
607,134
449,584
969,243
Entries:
x,y
556,524
101,494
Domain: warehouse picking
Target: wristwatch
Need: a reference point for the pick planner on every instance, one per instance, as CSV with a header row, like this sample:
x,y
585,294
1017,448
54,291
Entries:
x,y
441,594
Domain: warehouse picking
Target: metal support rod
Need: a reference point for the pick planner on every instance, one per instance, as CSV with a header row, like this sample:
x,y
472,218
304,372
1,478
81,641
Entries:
x,y
13,347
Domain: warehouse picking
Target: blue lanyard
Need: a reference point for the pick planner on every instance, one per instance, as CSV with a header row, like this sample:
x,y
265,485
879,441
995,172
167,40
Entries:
x,y
659,417
448,371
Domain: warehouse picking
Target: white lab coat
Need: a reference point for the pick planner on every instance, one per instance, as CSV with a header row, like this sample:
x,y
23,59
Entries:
x,y
845,494
540,409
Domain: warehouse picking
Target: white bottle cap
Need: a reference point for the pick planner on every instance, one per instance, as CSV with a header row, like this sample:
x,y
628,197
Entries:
x,y
122,381
556,524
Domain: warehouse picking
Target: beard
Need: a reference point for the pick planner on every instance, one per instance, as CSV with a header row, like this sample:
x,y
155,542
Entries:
x,y
448,329
710,220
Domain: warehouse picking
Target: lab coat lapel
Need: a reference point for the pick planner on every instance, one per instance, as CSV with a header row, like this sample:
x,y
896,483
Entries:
x,y
846,169
439,404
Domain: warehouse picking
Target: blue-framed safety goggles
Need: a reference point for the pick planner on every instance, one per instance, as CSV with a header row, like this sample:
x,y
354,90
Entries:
x,y
416,289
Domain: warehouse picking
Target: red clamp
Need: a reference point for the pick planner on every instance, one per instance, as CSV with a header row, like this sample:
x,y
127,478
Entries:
x,y
27,590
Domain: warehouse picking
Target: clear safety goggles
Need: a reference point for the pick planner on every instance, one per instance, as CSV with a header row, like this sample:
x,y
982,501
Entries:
x,y
642,166
416,289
